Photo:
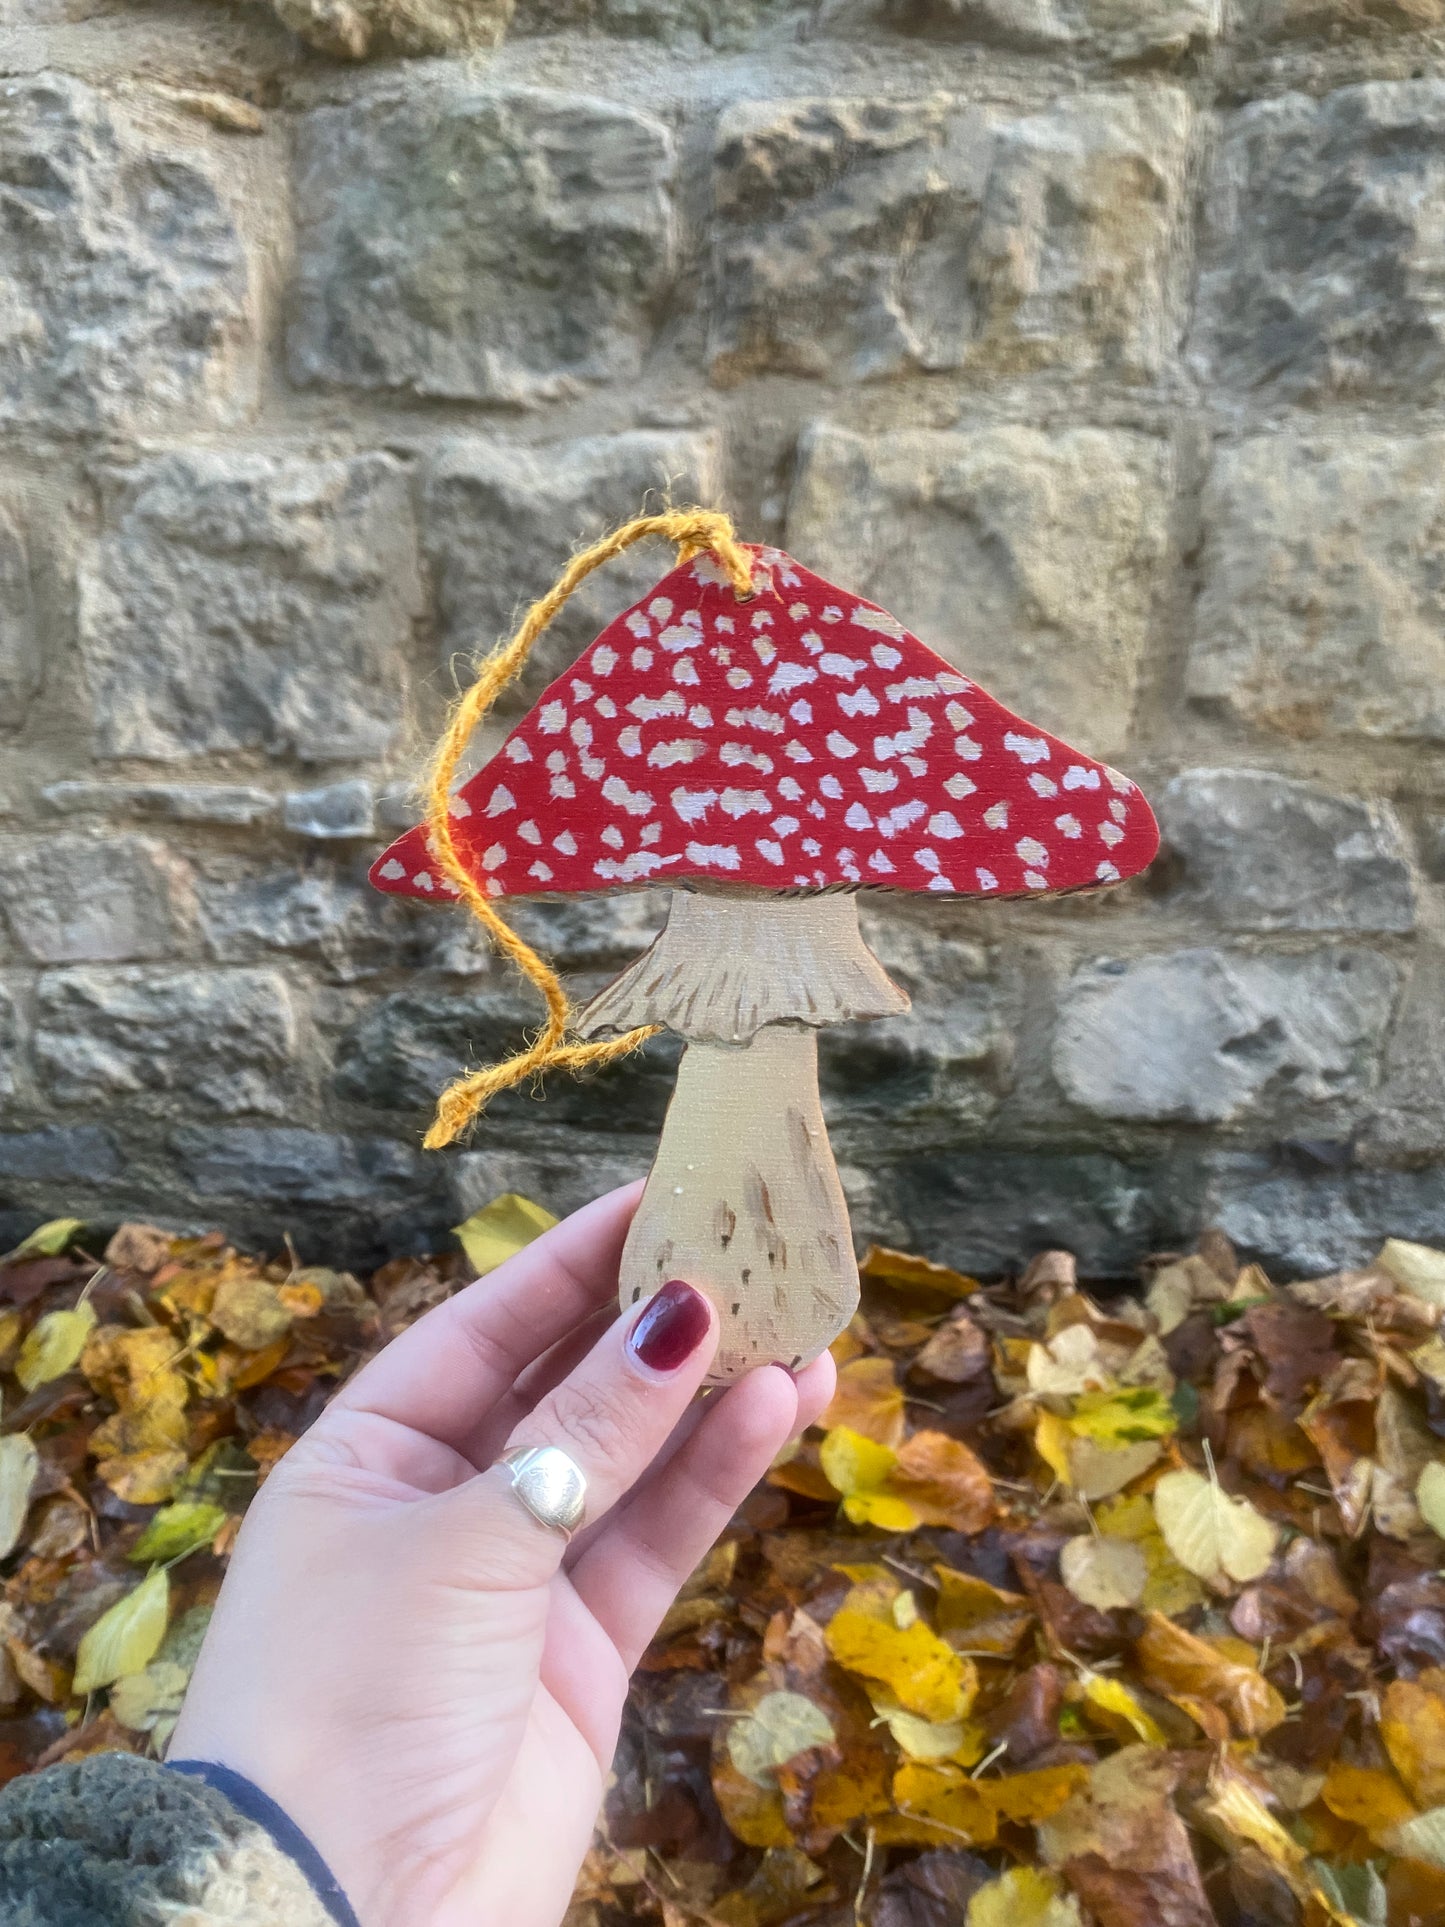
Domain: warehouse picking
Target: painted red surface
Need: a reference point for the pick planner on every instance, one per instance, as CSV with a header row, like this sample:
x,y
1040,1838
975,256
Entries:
x,y
800,739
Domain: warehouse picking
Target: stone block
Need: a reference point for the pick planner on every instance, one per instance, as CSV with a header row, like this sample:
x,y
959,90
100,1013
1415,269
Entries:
x,y
338,812
227,803
500,520
9,1042
1325,245
1322,607
293,1166
1213,1037
865,238
338,924
20,660
989,1212
59,1154
720,24
407,1048
563,1177
479,245
1264,852
1301,1224
1286,18
363,29
1126,29
223,1040
241,601
1406,1121
127,302
1028,557
73,898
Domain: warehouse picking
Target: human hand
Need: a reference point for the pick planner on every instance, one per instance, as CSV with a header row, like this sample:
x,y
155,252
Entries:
x,y
427,1680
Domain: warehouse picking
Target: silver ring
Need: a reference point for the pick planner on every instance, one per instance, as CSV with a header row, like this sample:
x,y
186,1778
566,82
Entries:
x,y
549,1486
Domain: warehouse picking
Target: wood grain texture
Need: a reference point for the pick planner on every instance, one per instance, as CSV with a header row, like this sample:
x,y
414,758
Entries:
x,y
744,1203
726,964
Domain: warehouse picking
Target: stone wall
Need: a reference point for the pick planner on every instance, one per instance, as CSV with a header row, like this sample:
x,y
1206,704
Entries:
x,y
1102,340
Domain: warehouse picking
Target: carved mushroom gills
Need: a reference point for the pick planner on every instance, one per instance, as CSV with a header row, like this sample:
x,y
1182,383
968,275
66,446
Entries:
x,y
743,1200
767,755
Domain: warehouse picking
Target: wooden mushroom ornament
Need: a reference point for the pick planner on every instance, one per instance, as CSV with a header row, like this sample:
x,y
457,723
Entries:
x,y
767,752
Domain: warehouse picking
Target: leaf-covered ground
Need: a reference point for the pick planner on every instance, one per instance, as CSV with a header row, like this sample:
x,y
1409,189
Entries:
x,y
1112,1608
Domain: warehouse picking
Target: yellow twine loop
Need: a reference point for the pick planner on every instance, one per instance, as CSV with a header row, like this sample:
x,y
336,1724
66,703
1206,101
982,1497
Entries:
x,y
692,530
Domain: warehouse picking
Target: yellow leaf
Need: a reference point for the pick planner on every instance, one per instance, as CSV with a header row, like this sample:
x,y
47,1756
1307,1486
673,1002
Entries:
x,y
924,1674
937,1805
1430,1497
982,1618
48,1240
776,1730
1169,1589
53,1345
1027,1798
900,1268
869,1400
1023,1897
1066,1364
127,1638
961,1741
150,1701
1128,1416
19,1464
1211,1534
1412,1726
1368,1797
1238,1813
1052,1440
1103,1573
858,1468
1417,1269
1117,1703
145,1477
501,1229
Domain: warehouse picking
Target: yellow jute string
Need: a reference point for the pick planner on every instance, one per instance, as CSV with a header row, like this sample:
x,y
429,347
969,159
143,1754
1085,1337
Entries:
x,y
692,530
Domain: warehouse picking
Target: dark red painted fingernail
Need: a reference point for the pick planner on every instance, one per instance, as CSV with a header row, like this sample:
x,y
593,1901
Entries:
x,y
670,1327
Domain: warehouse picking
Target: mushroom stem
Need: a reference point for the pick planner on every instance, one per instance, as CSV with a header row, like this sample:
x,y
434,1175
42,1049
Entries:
x,y
744,1203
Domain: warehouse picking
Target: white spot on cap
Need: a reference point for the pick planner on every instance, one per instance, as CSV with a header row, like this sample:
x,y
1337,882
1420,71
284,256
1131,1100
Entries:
x,y
564,787
796,753
790,789
684,670
714,856
958,786
830,787
635,802
682,749
692,805
785,825
652,709
945,826
1029,850
1107,873
700,716
641,658
958,716
612,837
876,619
789,676
639,863
660,608
858,702
637,622
565,844
1028,749
551,718
540,871
495,857
767,720
518,752
966,749
529,833
833,664
603,661
996,816
1070,825
1034,881
801,711
912,689
857,818
650,833
1042,785
736,803
1111,834
900,816
459,807
927,859
879,781
772,851
629,740
886,658
739,755
986,879
1076,777
811,846
739,679
879,863
392,870
1119,811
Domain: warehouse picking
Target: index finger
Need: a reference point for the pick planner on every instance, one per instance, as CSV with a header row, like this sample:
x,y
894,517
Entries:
x,y
442,1376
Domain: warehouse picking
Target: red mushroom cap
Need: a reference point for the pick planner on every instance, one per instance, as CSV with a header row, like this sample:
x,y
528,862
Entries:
x,y
798,739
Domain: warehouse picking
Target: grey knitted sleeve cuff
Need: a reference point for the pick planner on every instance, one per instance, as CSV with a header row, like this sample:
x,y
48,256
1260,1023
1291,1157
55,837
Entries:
x,y
115,1841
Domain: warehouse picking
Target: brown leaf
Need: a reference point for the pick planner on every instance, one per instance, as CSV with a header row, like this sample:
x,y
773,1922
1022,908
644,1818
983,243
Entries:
x,y
1179,1663
868,1400
945,1483
1412,1725
887,1267
957,1353
1124,1850
248,1310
